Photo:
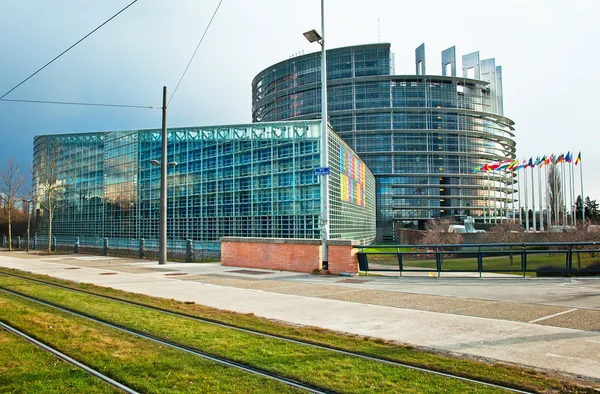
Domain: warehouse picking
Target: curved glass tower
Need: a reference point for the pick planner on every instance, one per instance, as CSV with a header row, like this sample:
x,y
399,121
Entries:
x,y
421,135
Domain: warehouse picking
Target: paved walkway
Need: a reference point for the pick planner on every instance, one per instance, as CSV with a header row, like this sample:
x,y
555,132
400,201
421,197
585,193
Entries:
x,y
551,324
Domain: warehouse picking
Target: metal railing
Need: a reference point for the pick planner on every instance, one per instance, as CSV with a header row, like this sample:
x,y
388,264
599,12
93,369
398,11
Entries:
x,y
181,250
543,259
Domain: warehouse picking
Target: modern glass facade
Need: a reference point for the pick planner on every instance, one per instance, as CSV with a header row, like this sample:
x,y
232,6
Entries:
x,y
421,135
254,180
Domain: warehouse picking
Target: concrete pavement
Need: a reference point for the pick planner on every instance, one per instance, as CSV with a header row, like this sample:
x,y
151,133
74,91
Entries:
x,y
550,324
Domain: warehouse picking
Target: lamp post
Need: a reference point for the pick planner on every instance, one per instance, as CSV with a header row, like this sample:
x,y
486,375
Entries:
x,y
162,233
28,222
315,36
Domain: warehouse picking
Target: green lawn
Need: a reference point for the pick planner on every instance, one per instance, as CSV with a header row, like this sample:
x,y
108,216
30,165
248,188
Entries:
x,y
151,369
493,261
24,368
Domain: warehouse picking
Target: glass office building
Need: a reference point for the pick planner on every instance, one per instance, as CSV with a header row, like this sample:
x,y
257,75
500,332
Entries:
x,y
253,180
421,135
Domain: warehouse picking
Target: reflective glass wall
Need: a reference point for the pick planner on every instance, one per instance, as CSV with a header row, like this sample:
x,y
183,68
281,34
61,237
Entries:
x,y
421,135
223,181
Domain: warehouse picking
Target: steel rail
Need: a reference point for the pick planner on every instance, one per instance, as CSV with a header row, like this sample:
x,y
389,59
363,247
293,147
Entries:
x,y
282,338
68,359
174,345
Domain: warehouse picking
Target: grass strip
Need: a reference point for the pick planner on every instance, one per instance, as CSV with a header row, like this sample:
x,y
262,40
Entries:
x,y
25,368
527,379
140,364
318,367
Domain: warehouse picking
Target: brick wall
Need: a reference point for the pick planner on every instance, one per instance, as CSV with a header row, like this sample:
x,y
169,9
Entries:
x,y
298,255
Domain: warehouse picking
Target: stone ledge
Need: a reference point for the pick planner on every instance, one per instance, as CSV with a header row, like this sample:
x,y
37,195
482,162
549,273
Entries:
x,y
297,241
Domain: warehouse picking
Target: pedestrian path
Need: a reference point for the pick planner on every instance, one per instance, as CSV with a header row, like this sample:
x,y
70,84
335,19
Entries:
x,y
396,309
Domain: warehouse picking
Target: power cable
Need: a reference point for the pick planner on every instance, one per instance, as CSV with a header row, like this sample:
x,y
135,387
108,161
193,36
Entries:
x,y
194,54
80,103
68,49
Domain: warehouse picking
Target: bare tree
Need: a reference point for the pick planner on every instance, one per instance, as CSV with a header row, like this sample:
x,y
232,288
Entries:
x,y
505,233
11,187
437,232
49,187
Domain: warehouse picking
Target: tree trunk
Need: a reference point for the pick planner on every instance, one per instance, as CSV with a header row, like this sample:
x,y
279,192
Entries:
x,y
49,210
9,231
49,233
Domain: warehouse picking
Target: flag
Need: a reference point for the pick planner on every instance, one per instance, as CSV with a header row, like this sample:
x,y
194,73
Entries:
x,y
514,165
543,161
578,160
479,168
568,157
550,159
530,164
537,161
494,165
504,165
561,158
555,160
523,165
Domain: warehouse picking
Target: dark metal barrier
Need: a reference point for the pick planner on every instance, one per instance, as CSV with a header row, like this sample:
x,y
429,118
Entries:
x,y
543,259
180,250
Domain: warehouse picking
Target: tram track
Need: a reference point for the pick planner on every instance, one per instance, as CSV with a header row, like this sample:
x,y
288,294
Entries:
x,y
174,345
67,359
240,329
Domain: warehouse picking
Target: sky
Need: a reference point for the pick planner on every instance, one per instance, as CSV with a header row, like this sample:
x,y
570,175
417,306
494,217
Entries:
x,y
547,50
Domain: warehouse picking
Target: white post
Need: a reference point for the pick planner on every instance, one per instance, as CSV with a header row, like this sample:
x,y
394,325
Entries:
x,y
540,199
582,199
519,201
548,203
526,200
533,199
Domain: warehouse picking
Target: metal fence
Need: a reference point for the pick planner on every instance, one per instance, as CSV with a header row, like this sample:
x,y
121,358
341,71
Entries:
x,y
543,259
184,250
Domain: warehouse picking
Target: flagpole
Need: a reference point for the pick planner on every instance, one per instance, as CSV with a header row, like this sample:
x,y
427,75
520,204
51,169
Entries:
x,y
555,195
484,204
532,200
564,195
526,200
495,201
519,200
581,181
489,205
512,196
540,198
548,202
572,190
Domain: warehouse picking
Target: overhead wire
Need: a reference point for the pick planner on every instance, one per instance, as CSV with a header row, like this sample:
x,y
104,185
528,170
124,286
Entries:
x,y
196,50
80,103
67,50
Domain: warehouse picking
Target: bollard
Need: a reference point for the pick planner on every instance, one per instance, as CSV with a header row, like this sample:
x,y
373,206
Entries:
x,y
142,251
34,244
76,246
19,242
53,245
189,251
105,247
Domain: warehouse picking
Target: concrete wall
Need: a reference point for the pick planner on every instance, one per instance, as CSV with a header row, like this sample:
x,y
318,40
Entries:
x,y
288,254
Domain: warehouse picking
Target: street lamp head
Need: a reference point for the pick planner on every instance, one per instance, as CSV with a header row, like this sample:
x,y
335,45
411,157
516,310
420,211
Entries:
x,y
313,36
172,164
155,162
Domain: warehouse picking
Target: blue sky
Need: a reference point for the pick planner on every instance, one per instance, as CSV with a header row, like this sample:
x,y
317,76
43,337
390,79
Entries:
x,y
547,50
